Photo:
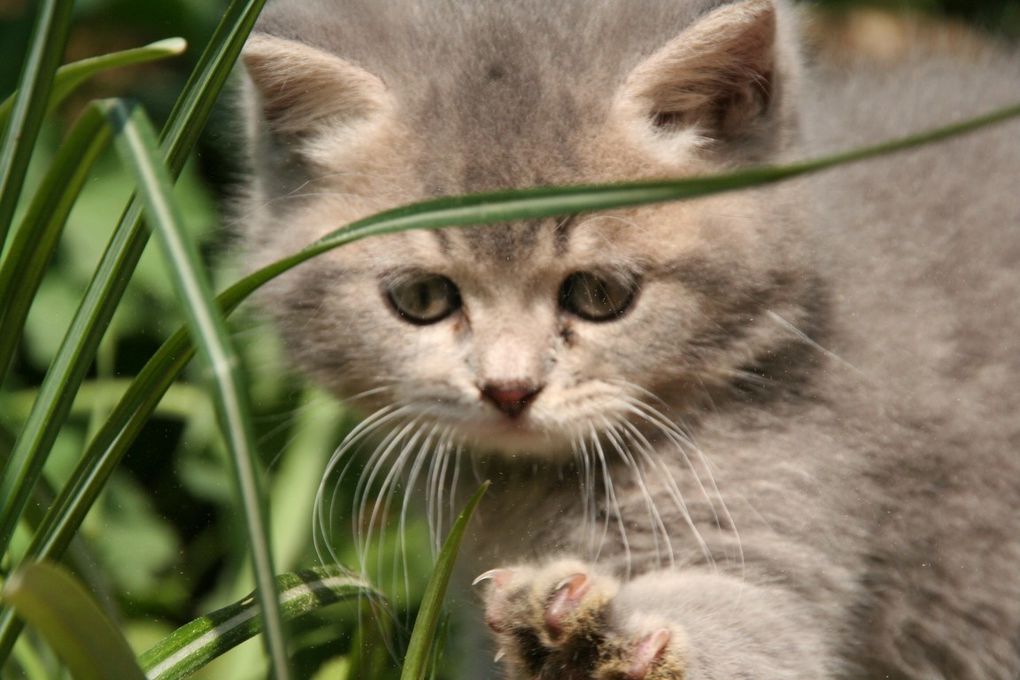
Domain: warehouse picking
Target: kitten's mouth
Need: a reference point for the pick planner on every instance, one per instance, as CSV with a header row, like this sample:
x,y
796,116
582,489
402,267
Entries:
x,y
518,435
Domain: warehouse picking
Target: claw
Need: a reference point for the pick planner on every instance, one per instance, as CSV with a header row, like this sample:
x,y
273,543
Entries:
x,y
566,596
499,655
497,576
648,651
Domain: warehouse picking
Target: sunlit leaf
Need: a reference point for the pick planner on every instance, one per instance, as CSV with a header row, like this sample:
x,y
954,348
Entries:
x,y
56,605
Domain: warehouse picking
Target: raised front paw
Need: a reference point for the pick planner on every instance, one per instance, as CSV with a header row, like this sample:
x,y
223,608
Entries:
x,y
560,621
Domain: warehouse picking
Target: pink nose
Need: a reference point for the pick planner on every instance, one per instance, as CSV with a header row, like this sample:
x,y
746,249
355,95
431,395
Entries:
x,y
510,398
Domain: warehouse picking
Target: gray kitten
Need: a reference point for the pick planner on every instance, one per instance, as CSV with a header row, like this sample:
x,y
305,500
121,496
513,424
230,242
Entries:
x,y
770,434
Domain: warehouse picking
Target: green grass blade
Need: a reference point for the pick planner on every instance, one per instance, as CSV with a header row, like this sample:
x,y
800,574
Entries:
x,y
197,643
56,605
416,663
44,53
136,142
36,239
114,270
70,77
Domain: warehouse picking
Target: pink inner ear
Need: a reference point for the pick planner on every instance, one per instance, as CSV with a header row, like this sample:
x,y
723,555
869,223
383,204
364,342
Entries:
x,y
719,74
302,86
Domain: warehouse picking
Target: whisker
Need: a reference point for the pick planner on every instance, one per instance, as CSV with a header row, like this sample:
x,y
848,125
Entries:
x,y
682,440
808,340
455,485
364,487
364,428
612,500
672,488
655,518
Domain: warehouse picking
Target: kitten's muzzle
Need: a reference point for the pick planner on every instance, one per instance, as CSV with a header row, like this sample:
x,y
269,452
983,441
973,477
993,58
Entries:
x,y
510,398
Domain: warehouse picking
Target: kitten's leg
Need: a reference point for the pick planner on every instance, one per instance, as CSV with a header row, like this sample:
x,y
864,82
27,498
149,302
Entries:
x,y
567,621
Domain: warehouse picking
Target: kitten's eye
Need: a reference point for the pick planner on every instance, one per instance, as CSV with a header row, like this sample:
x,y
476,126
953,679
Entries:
x,y
597,297
425,299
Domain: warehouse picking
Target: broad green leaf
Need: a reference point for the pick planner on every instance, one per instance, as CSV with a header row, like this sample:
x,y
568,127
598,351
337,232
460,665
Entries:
x,y
136,142
53,22
197,643
70,77
416,663
56,605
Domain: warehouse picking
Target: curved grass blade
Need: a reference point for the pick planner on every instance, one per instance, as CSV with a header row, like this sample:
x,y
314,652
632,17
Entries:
x,y
46,47
36,239
197,643
136,141
114,270
70,77
56,605
416,663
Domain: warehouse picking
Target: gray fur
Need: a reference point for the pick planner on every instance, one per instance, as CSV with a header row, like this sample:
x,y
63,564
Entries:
x,y
838,357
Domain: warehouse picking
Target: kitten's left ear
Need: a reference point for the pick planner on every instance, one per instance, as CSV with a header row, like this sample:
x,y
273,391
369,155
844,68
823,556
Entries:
x,y
721,81
303,89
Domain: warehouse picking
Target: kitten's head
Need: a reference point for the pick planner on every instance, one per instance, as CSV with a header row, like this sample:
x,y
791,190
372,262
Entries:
x,y
525,337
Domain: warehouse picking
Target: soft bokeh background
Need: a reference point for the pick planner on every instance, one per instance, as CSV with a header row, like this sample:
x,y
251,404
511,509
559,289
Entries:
x,y
164,542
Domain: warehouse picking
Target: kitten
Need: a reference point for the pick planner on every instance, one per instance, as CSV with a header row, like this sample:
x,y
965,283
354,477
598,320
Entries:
x,y
769,434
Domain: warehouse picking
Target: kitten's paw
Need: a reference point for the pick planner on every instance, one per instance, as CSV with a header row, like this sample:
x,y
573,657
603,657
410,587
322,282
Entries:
x,y
559,621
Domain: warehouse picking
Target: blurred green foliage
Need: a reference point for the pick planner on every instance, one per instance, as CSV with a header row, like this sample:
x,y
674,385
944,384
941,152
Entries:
x,y
164,538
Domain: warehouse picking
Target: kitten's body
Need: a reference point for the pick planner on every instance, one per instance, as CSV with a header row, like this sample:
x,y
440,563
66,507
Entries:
x,y
857,507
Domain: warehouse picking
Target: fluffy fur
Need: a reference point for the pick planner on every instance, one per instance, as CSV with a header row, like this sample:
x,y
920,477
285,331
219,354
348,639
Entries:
x,y
794,455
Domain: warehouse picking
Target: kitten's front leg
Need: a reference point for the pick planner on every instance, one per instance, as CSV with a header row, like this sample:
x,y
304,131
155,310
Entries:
x,y
567,621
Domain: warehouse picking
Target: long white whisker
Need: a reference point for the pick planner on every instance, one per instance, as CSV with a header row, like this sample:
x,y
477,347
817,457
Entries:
x,y
441,487
455,484
612,499
655,518
637,408
807,340
362,429
642,445
365,485
683,440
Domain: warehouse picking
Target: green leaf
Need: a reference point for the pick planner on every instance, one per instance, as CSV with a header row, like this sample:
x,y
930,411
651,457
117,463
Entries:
x,y
29,106
54,603
97,307
416,663
36,239
136,142
70,77
197,643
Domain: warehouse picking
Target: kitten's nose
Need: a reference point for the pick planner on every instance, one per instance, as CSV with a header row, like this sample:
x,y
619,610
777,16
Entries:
x,y
510,398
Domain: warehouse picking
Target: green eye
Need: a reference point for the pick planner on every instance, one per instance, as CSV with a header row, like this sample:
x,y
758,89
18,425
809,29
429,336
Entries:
x,y
597,297
424,299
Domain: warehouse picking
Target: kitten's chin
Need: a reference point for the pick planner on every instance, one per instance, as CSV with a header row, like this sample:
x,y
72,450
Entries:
x,y
516,439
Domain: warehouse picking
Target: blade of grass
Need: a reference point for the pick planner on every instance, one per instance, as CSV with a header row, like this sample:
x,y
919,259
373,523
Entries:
x,y
136,142
197,643
46,47
416,663
70,77
113,272
58,607
37,237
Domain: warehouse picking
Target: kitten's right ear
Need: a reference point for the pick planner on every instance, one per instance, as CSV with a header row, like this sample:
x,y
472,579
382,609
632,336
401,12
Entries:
x,y
303,90
722,83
